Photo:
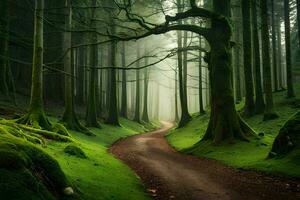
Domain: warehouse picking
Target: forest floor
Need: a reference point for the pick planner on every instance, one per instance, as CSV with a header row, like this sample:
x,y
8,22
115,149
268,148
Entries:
x,y
169,174
244,155
100,176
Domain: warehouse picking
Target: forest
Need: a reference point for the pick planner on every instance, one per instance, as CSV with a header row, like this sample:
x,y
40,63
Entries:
x,y
149,99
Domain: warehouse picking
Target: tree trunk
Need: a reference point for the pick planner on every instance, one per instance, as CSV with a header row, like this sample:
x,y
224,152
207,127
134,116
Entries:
x,y
69,118
113,118
259,100
91,116
124,84
298,20
289,71
274,45
269,108
145,116
225,123
137,113
176,96
4,27
279,45
247,45
201,106
36,116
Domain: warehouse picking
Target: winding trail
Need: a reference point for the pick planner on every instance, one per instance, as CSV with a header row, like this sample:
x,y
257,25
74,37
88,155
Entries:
x,y
168,174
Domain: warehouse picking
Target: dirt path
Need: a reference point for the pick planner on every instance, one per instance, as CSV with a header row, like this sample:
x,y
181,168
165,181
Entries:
x,y
171,175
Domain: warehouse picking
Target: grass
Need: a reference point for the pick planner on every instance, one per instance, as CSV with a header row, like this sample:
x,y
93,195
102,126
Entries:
x,y
100,176
252,155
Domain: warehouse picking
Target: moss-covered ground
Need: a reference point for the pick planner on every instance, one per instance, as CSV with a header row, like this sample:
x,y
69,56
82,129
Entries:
x,y
252,155
94,175
100,176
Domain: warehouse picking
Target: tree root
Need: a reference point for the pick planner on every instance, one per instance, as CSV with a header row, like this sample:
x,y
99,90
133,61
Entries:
x,y
72,123
33,135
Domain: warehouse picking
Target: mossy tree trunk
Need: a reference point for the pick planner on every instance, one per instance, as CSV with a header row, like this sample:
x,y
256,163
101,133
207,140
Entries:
x,y
225,123
269,108
123,112
36,116
249,109
259,97
289,71
69,118
91,113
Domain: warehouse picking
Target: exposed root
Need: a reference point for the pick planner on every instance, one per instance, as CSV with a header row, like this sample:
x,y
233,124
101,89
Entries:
x,y
33,135
71,122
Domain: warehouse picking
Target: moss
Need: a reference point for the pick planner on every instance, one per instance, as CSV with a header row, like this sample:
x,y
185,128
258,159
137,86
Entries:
x,y
74,151
27,172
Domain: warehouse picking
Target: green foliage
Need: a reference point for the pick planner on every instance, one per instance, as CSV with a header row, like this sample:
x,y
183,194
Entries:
x,y
246,155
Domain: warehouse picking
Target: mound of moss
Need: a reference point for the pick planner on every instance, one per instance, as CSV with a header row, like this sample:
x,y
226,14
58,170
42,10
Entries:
x,y
27,172
288,138
75,151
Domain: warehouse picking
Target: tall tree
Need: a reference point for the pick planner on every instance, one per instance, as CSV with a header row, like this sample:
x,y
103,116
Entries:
x,y
145,116
137,112
259,100
274,46
247,45
287,23
298,20
36,115
123,112
4,42
91,114
269,108
113,118
69,118
201,106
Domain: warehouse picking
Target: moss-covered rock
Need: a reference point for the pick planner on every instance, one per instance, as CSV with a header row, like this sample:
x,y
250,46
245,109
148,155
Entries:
x,y
27,172
288,138
75,151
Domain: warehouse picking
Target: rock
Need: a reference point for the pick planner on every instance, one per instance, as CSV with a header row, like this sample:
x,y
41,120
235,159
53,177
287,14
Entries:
x,y
68,191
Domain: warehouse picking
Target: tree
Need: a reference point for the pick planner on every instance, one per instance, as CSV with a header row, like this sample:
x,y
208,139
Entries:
x,y
247,44
123,112
298,19
4,27
274,46
69,118
269,108
145,116
259,100
185,116
137,112
113,118
36,116
91,116
289,78
201,106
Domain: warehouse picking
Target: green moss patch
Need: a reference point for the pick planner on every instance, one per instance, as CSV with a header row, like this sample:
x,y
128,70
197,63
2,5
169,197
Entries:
x,y
74,151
